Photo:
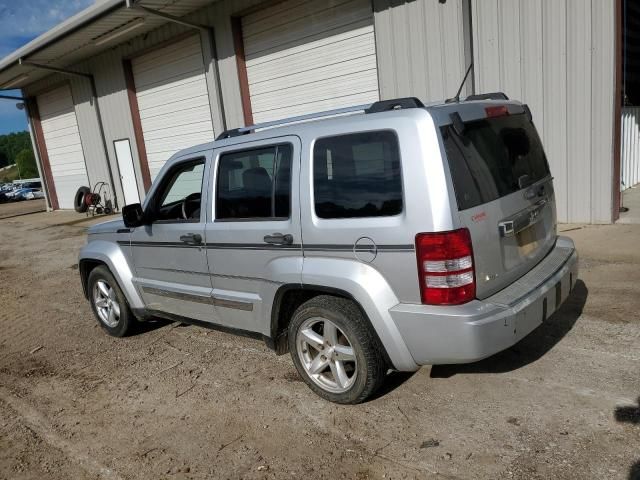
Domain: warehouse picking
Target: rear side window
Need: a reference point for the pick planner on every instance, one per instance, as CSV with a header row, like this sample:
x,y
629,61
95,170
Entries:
x,y
357,175
255,183
493,158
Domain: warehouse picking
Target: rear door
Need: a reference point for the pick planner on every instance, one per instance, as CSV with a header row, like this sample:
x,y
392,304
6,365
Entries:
x,y
504,192
254,238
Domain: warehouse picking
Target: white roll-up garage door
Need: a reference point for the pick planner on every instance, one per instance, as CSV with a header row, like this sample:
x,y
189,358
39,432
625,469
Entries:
x,y
173,100
62,140
305,56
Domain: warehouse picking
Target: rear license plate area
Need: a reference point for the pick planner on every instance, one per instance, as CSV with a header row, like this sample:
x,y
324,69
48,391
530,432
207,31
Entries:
x,y
528,240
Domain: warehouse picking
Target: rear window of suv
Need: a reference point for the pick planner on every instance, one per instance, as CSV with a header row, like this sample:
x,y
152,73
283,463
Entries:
x,y
357,175
493,157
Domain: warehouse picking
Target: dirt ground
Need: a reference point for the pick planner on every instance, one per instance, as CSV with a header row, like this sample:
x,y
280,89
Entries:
x,y
15,209
181,402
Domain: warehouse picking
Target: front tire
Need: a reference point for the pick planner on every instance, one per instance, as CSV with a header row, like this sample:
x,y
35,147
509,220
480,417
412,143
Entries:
x,y
335,350
109,304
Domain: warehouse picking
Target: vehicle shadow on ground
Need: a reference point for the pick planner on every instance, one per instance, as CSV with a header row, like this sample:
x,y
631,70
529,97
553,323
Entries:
x,y
532,347
149,326
630,414
391,382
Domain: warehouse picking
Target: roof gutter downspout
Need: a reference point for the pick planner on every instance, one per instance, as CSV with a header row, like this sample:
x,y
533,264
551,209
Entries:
x,y
94,94
207,31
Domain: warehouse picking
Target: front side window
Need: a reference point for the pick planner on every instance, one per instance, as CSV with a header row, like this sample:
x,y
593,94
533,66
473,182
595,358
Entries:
x,y
179,195
255,184
357,175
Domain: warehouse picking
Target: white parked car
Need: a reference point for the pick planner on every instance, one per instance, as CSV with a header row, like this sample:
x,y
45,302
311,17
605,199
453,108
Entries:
x,y
34,195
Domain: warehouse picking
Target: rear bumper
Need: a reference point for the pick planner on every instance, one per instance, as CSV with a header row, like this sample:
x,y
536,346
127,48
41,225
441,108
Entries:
x,y
479,329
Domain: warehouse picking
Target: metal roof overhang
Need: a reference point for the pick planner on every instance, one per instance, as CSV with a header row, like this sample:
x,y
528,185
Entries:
x,y
79,37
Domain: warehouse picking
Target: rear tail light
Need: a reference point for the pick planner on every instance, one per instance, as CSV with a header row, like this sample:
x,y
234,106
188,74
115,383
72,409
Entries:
x,y
497,111
445,267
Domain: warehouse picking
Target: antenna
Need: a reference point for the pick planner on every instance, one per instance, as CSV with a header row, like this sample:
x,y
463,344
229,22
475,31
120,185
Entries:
x,y
464,80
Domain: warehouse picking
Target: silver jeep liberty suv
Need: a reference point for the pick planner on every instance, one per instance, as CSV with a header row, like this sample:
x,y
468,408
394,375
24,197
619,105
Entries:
x,y
364,239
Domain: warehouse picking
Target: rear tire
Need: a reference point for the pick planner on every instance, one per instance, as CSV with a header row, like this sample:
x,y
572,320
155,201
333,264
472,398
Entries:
x,y
336,351
109,304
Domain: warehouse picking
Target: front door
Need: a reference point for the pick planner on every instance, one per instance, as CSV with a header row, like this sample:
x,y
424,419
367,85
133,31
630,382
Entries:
x,y
254,237
169,253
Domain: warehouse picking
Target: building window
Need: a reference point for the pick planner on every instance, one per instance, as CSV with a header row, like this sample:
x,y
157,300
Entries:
x,y
255,184
357,175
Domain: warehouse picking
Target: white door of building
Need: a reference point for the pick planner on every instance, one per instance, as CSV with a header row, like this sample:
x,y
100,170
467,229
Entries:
x,y
304,57
173,100
62,140
127,172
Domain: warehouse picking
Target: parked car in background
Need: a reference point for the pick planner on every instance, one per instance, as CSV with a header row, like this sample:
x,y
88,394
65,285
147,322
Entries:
x,y
400,236
21,194
36,185
10,193
34,194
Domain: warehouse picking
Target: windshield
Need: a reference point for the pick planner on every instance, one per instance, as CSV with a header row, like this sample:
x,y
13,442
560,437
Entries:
x,y
493,157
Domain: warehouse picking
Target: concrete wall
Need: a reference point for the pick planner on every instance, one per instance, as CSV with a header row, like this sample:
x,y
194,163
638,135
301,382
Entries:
x,y
557,56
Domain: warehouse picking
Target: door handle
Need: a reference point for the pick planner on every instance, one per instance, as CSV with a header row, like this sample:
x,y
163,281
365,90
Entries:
x,y
191,238
279,239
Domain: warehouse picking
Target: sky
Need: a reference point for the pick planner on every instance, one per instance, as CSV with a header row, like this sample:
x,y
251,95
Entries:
x,y
20,22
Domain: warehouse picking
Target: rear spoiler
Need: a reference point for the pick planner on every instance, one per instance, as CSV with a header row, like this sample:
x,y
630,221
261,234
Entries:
x,y
487,96
491,111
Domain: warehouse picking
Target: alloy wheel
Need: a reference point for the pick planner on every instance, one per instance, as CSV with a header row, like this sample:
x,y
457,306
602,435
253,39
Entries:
x,y
326,354
106,303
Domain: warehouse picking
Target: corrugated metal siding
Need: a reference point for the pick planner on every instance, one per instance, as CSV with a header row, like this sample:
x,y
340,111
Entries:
x,y
219,15
421,48
97,169
173,100
630,148
62,138
557,56
304,57
108,72
95,157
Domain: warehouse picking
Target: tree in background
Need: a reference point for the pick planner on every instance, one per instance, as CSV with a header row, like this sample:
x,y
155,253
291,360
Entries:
x,y
12,144
26,162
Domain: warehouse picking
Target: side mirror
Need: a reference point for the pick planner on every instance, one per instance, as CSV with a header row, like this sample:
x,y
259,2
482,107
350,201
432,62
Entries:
x,y
133,215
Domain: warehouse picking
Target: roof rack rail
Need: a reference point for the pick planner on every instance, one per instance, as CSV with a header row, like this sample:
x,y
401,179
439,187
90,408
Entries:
x,y
488,96
235,132
394,104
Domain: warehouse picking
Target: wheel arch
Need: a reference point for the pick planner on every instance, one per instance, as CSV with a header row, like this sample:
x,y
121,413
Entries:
x,y
85,266
290,296
109,254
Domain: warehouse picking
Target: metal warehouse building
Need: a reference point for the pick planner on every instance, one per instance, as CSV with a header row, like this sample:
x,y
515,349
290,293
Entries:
x,y
114,91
